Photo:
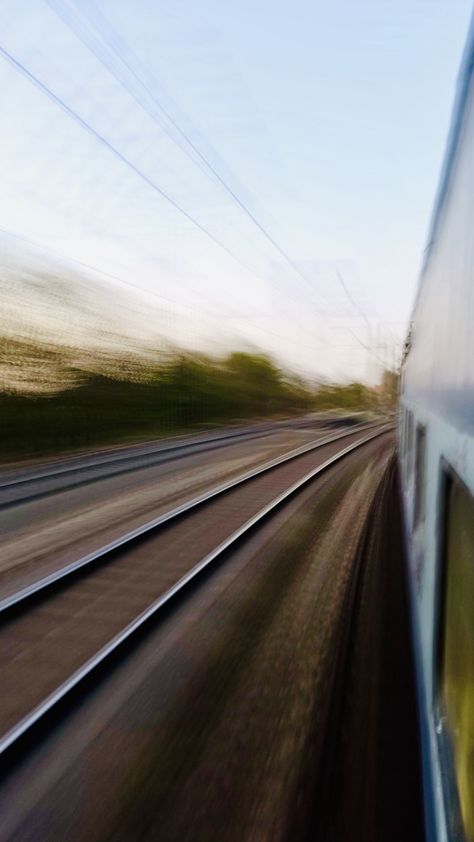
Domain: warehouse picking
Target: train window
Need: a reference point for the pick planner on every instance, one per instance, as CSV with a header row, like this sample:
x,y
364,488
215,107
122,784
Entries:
x,y
457,645
408,439
419,511
403,430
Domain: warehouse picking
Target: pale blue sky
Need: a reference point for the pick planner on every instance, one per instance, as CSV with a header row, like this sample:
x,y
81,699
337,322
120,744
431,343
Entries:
x,y
328,119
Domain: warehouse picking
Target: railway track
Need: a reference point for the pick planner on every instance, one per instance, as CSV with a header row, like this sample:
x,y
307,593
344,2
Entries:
x,y
23,485
62,630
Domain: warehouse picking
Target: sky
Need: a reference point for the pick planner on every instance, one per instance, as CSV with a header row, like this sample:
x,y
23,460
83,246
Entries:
x,y
263,171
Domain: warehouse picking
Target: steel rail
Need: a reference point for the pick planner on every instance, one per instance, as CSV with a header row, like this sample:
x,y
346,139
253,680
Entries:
x,y
27,723
110,466
78,464
100,555
117,457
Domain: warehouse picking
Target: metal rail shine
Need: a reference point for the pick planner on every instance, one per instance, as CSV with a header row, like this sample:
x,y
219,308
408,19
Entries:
x,y
13,736
139,532
31,486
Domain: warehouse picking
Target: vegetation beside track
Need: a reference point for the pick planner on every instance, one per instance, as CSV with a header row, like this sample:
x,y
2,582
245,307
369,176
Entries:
x,y
182,392
84,364
178,392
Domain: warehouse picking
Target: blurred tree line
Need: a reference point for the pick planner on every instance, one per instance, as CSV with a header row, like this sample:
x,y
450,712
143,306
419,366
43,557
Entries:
x,y
183,392
353,396
69,378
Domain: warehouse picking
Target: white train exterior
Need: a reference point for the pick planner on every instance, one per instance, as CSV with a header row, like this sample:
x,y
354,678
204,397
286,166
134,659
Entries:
x,y
436,445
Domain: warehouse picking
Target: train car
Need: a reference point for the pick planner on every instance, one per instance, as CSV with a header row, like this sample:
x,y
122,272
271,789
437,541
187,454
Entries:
x,y
436,447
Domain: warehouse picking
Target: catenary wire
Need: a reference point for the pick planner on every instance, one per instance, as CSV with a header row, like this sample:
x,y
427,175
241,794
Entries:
x,y
108,34
108,145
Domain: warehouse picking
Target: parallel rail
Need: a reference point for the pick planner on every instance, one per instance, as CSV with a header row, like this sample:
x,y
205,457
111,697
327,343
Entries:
x,y
24,485
26,725
104,553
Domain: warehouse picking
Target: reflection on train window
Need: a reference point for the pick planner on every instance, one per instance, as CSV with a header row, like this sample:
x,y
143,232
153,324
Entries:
x,y
419,512
403,436
409,441
457,651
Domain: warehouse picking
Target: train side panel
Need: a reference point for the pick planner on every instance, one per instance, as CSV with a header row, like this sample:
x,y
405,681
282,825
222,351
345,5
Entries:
x,y
436,444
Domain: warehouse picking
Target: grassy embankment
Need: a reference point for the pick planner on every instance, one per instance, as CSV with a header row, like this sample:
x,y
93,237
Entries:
x,y
184,392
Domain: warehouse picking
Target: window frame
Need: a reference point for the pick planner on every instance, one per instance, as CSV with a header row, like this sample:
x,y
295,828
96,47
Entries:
x,y
410,420
419,496
447,476
403,433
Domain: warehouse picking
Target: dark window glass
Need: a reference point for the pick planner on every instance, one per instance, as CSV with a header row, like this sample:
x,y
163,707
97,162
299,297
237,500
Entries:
x,y
403,430
409,442
457,648
420,480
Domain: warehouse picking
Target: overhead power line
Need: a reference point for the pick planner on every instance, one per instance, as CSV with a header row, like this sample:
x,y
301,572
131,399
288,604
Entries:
x,y
108,145
76,26
108,35
364,316
90,129
103,140
362,312
87,127
354,303
368,348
